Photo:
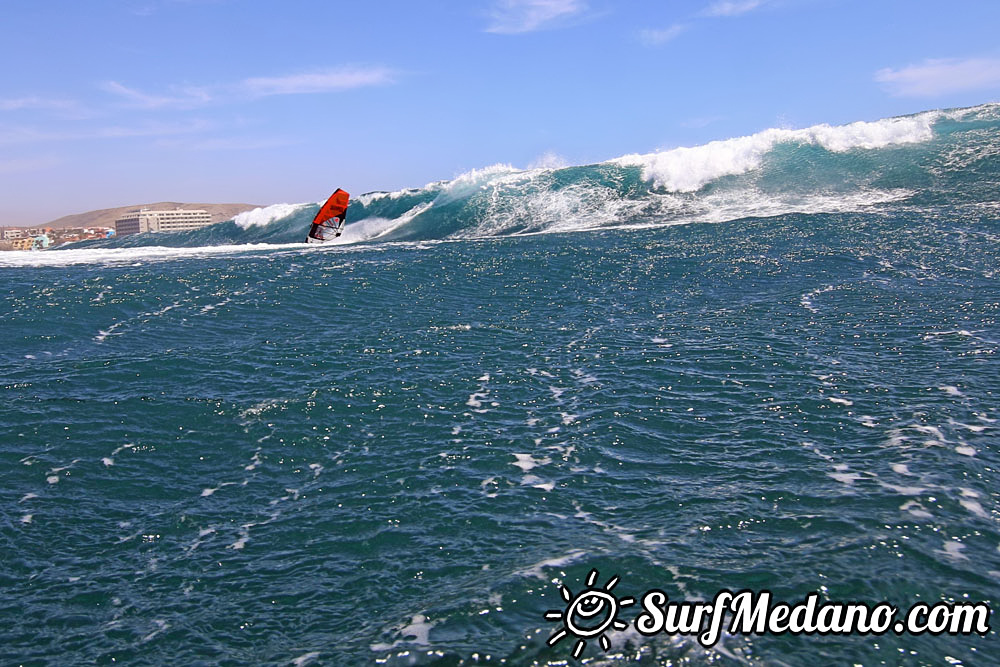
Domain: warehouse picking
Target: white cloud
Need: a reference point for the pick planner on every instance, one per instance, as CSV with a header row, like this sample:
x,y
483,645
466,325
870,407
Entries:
x,y
324,81
225,144
939,77
518,16
147,130
190,97
732,7
29,135
39,103
653,37
185,98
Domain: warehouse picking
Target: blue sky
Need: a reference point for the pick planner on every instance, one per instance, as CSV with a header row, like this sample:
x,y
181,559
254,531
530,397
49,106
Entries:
x,y
116,102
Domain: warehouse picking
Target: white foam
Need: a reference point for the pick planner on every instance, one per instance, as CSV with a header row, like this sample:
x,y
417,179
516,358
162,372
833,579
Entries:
x,y
213,306
847,478
958,332
527,462
974,507
473,180
371,228
538,569
254,461
842,476
931,430
689,169
541,208
975,428
816,451
161,626
537,482
953,550
617,531
490,486
130,256
265,215
368,198
476,399
259,409
305,659
904,490
916,509
417,632
549,160
241,542
807,299
104,333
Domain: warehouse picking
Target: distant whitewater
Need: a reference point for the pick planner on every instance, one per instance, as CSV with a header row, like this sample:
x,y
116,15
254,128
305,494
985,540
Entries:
x,y
911,160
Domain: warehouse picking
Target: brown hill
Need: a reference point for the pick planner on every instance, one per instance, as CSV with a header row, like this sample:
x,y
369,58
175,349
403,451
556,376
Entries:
x,y
106,216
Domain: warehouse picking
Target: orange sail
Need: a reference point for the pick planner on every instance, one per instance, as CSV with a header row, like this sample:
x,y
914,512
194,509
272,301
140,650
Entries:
x,y
335,207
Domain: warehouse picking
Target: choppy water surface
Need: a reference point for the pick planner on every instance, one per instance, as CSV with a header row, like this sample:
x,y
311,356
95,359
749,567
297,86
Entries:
x,y
392,451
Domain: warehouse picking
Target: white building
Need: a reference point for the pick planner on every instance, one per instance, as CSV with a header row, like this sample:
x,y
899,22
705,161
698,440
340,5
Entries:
x,y
11,233
145,220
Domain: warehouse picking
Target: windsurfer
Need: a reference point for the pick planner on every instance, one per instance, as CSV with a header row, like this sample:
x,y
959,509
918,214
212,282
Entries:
x,y
317,229
332,215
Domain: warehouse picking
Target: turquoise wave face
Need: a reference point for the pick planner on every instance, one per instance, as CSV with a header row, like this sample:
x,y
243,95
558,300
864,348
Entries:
x,y
396,452
930,159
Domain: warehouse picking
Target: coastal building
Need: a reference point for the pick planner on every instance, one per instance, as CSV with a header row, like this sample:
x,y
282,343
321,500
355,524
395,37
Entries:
x,y
146,220
11,233
21,238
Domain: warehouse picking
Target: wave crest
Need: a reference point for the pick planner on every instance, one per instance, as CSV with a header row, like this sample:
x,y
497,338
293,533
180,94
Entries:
x,y
690,169
265,215
926,159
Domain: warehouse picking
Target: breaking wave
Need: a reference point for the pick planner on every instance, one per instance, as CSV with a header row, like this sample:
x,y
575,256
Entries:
x,y
918,160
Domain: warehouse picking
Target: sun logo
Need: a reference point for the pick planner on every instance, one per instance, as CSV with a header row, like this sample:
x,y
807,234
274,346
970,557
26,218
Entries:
x,y
588,614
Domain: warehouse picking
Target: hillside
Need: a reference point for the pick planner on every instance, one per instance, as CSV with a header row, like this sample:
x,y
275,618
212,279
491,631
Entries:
x,y
106,217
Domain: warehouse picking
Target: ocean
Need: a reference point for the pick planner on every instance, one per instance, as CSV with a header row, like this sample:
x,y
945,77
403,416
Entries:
x,y
767,363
